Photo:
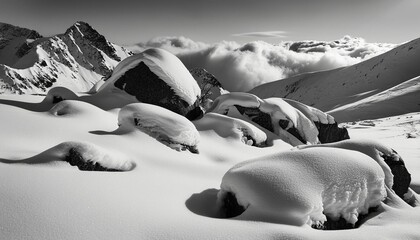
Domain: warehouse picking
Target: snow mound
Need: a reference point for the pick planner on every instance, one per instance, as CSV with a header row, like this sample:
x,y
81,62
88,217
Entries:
x,y
332,183
274,114
157,77
58,94
85,156
73,108
396,175
167,127
229,127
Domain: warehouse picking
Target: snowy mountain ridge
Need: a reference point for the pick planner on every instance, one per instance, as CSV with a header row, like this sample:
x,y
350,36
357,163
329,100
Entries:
x,y
76,59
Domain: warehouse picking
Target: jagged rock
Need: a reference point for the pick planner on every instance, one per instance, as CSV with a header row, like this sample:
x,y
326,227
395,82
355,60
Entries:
x,y
158,77
210,87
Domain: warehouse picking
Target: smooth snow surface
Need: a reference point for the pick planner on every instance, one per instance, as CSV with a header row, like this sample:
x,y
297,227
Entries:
x,y
332,182
168,194
166,66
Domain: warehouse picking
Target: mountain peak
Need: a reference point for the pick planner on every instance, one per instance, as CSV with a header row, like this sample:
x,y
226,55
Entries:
x,y
84,30
9,31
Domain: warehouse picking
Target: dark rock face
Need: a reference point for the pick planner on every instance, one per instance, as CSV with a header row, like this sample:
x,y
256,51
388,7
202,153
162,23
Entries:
x,y
206,81
329,133
75,158
147,87
402,178
341,223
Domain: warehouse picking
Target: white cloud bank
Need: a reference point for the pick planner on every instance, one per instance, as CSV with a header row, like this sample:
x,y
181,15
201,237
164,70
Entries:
x,y
243,67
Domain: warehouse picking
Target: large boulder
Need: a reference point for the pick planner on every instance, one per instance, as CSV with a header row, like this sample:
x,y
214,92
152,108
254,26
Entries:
x,y
157,77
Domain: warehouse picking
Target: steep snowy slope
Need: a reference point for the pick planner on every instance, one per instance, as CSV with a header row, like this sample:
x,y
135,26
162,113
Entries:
x,y
76,59
334,88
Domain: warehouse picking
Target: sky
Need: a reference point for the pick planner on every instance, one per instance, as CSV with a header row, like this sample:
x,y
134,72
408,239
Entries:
x,y
127,22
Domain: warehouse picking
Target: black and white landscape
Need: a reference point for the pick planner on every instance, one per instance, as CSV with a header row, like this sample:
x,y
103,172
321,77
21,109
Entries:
x,y
173,138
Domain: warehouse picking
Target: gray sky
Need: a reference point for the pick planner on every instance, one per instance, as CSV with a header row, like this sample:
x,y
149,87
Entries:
x,y
133,21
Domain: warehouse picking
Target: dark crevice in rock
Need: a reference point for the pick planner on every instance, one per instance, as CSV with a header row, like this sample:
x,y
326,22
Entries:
x,y
230,207
342,224
261,118
75,158
402,178
329,133
57,99
147,87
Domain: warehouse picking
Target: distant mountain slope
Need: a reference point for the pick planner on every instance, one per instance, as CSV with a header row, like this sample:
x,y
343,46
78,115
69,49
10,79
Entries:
x,y
76,59
13,42
331,89
401,99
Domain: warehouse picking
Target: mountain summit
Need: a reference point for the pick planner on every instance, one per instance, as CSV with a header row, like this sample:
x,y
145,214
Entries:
x,y
76,59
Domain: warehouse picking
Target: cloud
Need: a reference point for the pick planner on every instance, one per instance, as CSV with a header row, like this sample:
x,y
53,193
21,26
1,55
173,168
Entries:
x,y
241,67
266,34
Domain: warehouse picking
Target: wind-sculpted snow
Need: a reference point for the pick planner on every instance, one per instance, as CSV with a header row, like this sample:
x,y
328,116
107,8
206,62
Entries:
x,y
74,108
305,186
157,77
59,94
83,155
396,175
169,128
229,127
274,114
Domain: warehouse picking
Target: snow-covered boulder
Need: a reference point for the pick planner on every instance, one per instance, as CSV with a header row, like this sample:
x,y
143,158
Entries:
x,y
273,114
83,155
396,174
169,128
157,77
328,129
304,187
229,127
